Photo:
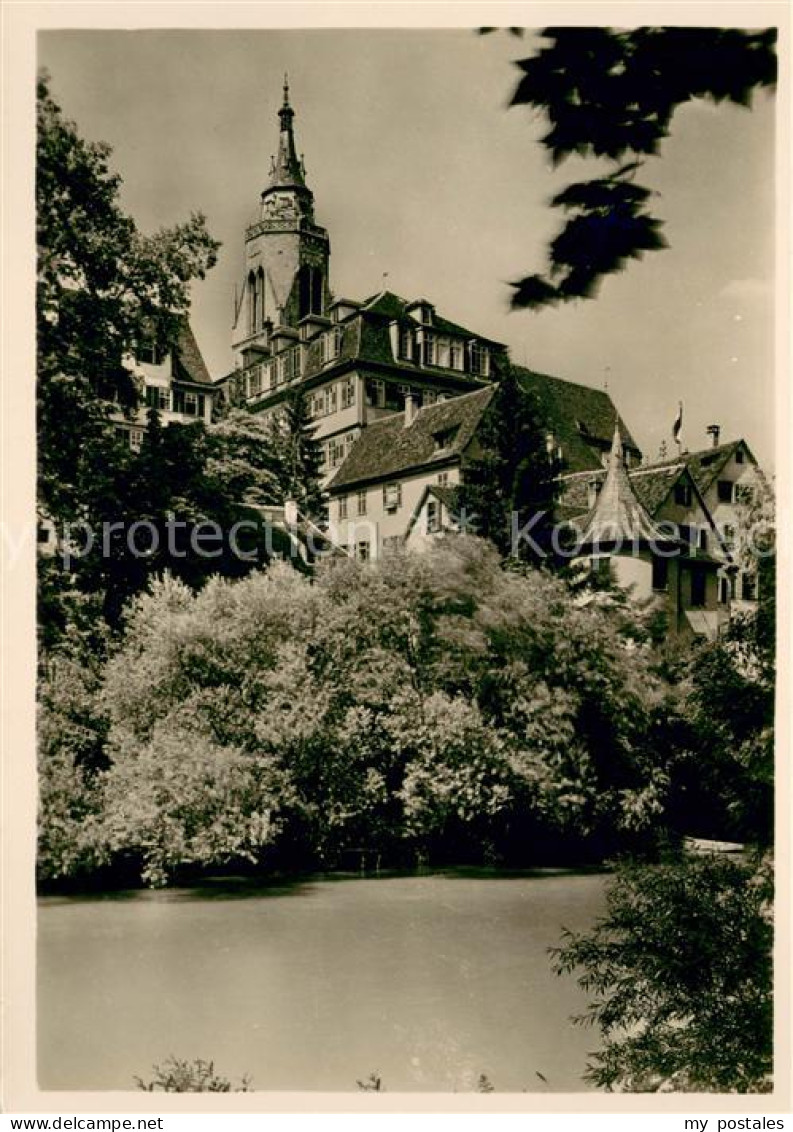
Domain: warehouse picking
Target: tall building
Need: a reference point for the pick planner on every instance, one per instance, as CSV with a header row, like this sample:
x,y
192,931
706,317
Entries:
x,y
355,361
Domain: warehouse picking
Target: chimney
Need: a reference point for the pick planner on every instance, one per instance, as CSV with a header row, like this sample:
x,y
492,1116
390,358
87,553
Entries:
x,y
714,431
411,408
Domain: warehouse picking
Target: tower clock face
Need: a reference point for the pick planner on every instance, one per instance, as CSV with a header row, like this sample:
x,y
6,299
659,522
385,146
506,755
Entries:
x,y
281,206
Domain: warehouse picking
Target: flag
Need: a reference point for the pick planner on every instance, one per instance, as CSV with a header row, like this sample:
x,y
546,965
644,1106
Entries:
x,y
678,425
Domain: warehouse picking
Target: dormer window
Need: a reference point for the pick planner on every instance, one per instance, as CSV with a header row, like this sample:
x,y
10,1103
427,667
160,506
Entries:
x,y
330,345
149,354
480,359
593,489
445,438
406,344
429,350
683,494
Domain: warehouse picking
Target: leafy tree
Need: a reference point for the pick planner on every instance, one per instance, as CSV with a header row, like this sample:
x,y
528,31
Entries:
x,y
431,704
299,455
680,975
723,773
612,95
510,485
102,288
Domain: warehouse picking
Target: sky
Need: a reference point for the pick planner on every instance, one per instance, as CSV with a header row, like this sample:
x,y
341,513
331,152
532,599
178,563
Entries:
x,y
421,170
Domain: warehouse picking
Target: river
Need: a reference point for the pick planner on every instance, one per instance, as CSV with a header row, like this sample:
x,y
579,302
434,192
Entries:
x,y
427,981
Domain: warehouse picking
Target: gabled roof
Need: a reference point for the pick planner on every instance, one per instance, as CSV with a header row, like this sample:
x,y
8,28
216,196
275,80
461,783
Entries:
x,y
447,495
188,358
387,448
652,486
705,465
582,418
393,307
618,516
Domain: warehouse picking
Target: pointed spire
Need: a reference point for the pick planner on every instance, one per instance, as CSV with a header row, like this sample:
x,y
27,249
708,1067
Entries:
x,y
618,517
287,170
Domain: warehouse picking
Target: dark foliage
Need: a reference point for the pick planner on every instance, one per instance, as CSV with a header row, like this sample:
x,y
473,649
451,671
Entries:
x,y
513,479
680,975
612,95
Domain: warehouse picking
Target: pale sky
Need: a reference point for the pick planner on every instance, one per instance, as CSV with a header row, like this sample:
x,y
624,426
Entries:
x,y
420,170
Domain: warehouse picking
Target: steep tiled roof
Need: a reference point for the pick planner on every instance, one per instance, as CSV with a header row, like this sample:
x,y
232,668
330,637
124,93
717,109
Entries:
x,y
581,417
618,516
705,465
388,448
652,486
392,306
190,365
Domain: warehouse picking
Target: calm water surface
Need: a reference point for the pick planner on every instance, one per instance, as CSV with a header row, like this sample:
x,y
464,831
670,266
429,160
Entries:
x,y
427,981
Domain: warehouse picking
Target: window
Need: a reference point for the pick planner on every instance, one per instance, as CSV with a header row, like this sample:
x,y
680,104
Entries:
x,y
433,516
748,587
683,494
375,392
406,348
428,397
697,589
253,381
289,364
158,397
593,489
149,354
362,551
724,591
253,304
724,489
342,508
443,479
429,350
739,456
456,355
391,544
480,359
337,450
330,344
442,353
445,438
135,439
728,534
743,493
194,404
347,392
660,573
703,539
392,496
361,502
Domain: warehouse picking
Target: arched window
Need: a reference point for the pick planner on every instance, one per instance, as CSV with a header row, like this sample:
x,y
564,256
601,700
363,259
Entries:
x,y
253,311
304,291
316,291
260,298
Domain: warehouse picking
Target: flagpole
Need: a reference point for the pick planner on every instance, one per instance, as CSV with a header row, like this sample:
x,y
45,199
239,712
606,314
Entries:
x,y
677,428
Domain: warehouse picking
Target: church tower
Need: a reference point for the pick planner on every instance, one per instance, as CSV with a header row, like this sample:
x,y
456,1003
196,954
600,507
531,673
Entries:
x,y
286,257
